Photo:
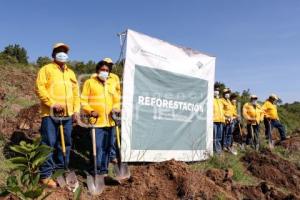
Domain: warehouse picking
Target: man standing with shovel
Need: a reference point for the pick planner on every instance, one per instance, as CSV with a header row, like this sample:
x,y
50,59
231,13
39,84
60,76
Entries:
x,y
57,89
100,99
271,119
253,114
228,128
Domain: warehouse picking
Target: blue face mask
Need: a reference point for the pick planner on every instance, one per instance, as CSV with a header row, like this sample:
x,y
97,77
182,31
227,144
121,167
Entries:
x,y
62,57
103,75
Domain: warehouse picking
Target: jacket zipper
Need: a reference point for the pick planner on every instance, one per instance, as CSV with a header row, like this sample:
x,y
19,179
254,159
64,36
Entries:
x,y
67,113
104,89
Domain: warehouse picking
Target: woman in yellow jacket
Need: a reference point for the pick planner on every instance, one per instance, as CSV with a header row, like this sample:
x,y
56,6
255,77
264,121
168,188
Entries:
x,y
253,114
219,121
100,98
228,113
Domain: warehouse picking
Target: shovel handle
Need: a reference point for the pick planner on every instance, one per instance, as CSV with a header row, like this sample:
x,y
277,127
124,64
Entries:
x,y
118,137
62,138
241,131
94,140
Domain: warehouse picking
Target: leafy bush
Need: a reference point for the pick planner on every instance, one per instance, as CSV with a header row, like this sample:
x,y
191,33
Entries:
x,y
41,61
17,52
25,184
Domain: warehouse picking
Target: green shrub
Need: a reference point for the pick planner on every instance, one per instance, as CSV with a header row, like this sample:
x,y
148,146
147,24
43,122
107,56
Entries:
x,y
25,184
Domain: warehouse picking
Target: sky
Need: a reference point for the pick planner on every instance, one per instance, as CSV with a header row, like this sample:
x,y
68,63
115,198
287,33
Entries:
x,y
256,43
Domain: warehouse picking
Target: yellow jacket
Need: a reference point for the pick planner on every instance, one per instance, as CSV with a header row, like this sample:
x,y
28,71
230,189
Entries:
x,y
102,98
253,114
54,86
219,111
270,110
228,108
234,110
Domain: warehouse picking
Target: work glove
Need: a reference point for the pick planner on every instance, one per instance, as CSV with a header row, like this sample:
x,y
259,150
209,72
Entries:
x,y
57,108
94,114
116,116
76,117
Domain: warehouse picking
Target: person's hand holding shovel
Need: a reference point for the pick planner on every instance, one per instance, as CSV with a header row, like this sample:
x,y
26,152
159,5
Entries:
x,y
57,108
94,114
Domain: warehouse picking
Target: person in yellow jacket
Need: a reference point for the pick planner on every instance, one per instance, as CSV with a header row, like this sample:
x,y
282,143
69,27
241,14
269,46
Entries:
x,y
100,98
219,121
229,117
253,114
57,89
271,118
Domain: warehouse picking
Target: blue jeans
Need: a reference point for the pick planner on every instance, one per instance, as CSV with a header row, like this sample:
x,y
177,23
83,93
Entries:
x,y
227,135
113,153
218,131
51,136
267,124
104,144
280,127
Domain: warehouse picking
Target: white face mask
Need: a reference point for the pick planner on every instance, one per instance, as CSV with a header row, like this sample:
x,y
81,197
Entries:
x,y
227,95
216,94
62,57
103,75
254,102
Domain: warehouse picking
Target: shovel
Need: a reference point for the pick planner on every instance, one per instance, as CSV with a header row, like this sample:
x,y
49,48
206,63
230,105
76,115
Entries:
x,y
121,169
95,184
70,179
254,139
241,135
271,145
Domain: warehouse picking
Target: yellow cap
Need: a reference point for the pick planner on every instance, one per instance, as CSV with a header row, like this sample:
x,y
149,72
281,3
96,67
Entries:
x,y
60,44
226,90
274,96
108,60
253,96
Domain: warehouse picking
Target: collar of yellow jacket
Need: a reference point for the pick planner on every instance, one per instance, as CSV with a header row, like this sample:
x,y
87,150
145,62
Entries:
x,y
56,65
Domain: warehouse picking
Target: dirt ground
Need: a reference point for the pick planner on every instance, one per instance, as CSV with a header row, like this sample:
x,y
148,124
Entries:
x,y
272,168
176,180
292,144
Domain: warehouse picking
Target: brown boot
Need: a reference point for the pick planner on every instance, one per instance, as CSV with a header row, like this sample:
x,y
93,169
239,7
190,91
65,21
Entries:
x,y
49,182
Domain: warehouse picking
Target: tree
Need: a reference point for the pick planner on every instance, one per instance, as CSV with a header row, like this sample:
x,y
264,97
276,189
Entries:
x,y
17,52
41,61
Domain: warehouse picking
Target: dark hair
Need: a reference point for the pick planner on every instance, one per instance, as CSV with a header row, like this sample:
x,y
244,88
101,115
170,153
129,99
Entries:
x,y
102,63
233,96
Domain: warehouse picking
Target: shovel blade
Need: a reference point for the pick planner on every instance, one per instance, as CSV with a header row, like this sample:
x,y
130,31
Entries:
x,y
72,182
122,172
95,185
61,181
271,145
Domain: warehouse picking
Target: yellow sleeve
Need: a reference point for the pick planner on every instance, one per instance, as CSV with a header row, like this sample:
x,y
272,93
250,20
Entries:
x,y
263,107
262,114
40,88
85,97
76,98
245,115
117,95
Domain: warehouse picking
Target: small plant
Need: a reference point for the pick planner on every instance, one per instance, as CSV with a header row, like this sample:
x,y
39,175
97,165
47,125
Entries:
x,y
24,184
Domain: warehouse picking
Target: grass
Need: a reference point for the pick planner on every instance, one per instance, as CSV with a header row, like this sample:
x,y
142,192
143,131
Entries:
x,y
227,161
4,171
